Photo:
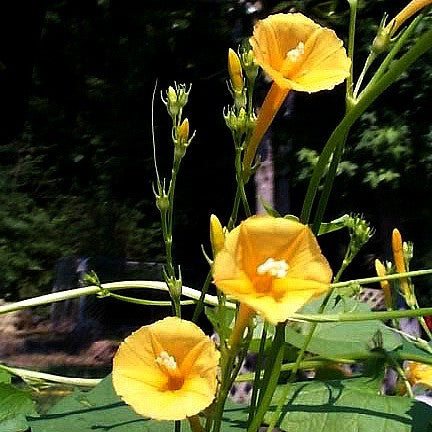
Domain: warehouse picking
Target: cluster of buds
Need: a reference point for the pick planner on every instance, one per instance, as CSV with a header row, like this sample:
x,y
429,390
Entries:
x,y
250,66
240,123
176,99
360,231
239,119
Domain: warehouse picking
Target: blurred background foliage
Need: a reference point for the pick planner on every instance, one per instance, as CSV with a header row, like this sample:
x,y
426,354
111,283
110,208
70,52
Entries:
x,y
77,79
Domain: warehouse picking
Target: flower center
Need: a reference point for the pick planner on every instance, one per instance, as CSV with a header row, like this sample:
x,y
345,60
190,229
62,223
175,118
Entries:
x,y
274,268
168,364
166,360
294,54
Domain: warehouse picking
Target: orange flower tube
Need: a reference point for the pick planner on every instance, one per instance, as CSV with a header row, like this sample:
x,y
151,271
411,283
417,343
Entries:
x,y
407,12
271,265
297,54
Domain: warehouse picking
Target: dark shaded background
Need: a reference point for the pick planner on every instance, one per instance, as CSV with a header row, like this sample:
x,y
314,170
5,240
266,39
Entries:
x,y
76,79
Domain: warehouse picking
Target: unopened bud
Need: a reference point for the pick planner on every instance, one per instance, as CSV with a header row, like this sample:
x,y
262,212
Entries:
x,y
217,237
235,71
176,98
183,132
385,286
398,255
381,42
249,64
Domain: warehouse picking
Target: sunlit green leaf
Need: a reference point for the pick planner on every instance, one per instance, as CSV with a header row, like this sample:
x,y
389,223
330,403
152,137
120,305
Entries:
x,y
342,339
349,405
101,410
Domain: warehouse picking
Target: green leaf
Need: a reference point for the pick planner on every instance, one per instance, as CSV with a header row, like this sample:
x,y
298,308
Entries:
x,y
409,350
342,339
5,377
334,225
349,405
15,404
16,424
102,410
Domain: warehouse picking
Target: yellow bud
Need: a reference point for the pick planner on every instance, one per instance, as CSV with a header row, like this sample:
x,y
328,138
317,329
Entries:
x,y
183,132
217,237
385,286
235,71
398,251
399,262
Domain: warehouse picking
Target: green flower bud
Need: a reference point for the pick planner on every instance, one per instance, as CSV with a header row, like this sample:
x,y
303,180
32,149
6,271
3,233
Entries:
x,y
176,98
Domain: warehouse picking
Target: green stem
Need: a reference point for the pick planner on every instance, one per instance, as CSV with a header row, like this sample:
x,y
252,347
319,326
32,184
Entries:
x,y
200,304
300,356
259,365
374,279
29,375
328,185
188,292
318,363
370,59
351,37
149,302
270,379
95,290
367,316
233,218
240,181
236,350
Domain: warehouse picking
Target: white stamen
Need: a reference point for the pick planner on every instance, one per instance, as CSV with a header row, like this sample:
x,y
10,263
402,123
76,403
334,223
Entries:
x,y
294,54
277,269
166,360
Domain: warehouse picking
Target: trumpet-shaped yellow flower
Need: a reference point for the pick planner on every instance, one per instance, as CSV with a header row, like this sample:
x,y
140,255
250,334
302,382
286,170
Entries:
x,y
272,265
419,373
298,54
166,370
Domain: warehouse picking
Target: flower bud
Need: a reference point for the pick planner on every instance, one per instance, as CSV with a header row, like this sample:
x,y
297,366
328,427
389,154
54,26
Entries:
x,y
249,64
176,99
217,237
381,42
162,203
235,71
183,132
400,264
385,286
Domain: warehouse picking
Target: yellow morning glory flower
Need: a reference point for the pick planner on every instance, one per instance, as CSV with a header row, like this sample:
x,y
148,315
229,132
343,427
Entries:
x,y
271,265
166,370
